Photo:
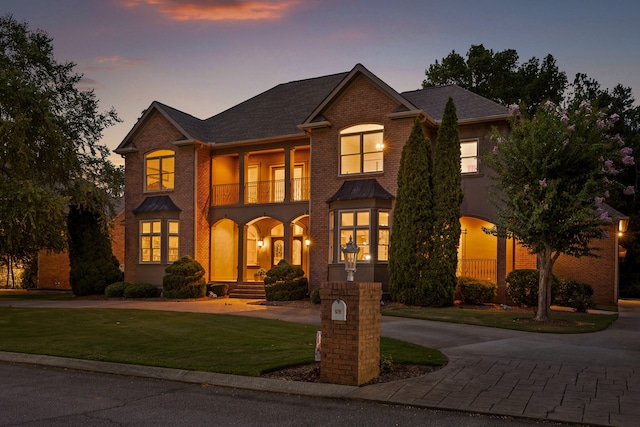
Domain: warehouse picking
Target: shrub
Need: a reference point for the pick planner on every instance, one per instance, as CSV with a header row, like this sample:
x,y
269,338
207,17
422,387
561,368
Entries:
x,y
116,290
184,279
315,296
141,290
285,282
522,287
191,291
578,295
475,291
220,289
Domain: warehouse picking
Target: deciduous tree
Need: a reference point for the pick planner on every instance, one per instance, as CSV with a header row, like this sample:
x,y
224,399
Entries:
x,y
553,173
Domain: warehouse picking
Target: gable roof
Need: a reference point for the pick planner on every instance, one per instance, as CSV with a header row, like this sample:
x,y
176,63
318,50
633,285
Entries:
x,y
469,106
287,109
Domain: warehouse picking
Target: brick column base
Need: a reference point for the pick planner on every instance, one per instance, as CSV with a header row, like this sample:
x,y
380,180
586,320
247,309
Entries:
x,y
350,350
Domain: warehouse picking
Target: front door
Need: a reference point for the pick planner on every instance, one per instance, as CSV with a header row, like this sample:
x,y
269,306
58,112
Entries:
x,y
278,250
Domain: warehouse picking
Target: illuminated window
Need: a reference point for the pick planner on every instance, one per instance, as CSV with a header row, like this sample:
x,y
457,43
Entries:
x,y
150,238
383,236
154,241
173,234
355,225
469,156
160,170
361,149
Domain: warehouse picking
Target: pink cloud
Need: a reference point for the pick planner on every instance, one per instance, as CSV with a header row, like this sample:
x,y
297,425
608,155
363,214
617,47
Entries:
x,y
218,10
112,62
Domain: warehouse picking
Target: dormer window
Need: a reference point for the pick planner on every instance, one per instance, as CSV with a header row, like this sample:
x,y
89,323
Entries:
x,y
361,149
159,170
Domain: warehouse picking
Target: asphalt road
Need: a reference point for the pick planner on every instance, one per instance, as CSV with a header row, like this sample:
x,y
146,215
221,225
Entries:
x,y
38,396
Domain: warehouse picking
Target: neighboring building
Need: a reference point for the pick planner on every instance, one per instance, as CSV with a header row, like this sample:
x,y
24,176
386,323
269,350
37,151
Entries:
x,y
54,268
292,174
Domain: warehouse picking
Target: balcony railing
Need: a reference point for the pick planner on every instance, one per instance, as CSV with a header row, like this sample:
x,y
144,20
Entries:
x,y
272,191
479,268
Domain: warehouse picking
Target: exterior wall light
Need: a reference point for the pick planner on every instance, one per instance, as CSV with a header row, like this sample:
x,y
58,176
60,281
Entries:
x,y
260,243
307,242
350,251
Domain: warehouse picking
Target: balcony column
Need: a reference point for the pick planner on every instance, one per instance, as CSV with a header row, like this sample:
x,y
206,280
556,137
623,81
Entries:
x,y
287,179
241,177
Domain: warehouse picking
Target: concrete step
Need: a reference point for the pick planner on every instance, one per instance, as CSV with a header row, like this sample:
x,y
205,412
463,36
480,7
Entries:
x,y
248,290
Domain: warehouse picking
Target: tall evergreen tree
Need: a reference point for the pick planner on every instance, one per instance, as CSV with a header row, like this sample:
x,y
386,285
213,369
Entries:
x,y
411,241
93,265
447,198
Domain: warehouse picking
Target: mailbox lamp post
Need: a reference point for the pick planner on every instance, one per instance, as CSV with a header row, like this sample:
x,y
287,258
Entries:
x,y
350,251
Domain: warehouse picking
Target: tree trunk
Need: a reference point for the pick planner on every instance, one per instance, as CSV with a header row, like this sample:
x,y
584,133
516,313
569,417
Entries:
x,y
545,266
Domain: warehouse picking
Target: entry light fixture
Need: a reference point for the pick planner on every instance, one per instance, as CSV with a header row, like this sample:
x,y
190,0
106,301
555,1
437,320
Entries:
x,y
307,242
260,243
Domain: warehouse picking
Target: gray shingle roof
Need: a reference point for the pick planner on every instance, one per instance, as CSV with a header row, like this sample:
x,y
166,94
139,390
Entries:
x,y
468,104
279,111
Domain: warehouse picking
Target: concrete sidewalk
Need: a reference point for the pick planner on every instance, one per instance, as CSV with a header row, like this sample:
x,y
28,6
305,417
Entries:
x,y
583,378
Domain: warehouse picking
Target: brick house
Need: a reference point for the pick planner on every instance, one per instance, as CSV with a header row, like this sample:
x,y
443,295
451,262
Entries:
x,y
296,171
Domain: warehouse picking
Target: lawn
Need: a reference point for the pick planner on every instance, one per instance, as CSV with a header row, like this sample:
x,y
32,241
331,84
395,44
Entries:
x,y
191,341
562,322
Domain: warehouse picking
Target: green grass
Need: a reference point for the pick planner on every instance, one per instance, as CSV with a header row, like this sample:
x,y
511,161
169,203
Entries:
x,y
191,341
561,322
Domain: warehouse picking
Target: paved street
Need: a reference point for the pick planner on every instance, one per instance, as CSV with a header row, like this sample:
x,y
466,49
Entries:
x,y
580,378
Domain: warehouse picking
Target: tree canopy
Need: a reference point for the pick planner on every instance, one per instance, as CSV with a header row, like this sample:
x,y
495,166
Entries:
x,y
553,173
500,77
50,155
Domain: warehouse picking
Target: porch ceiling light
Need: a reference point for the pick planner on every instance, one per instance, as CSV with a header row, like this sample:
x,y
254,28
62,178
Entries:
x,y
350,251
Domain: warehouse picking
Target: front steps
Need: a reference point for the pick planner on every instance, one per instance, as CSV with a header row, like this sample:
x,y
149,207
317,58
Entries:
x,y
248,290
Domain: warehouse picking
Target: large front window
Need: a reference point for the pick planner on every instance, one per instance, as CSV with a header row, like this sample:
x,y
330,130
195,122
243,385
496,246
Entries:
x,y
469,156
361,149
158,237
160,170
355,225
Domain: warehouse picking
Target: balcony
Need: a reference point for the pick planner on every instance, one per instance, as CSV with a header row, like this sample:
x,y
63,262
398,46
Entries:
x,y
260,192
478,268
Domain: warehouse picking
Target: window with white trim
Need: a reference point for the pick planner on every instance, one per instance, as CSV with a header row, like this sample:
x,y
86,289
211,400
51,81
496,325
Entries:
x,y
361,149
469,156
160,170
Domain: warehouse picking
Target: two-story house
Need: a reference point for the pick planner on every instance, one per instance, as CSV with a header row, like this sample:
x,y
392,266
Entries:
x,y
296,171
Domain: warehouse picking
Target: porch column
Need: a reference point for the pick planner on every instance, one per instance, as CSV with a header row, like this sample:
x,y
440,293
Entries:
x,y
288,227
242,244
287,183
501,269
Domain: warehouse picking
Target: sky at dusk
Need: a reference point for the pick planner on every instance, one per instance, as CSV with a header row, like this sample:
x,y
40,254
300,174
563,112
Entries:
x,y
204,56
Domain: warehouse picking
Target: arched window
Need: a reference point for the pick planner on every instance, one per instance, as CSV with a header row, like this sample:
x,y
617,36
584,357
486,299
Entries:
x,y
159,170
361,149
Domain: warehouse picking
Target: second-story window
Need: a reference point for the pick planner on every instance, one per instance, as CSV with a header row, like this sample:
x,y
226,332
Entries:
x,y
469,156
159,170
361,149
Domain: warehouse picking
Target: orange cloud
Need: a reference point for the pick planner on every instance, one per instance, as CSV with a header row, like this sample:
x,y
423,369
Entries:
x,y
218,10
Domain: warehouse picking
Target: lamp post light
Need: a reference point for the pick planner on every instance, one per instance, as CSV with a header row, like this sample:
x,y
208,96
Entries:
x,y
350,251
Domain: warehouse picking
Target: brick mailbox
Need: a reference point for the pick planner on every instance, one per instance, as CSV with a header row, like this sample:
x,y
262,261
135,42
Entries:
x,y
350,323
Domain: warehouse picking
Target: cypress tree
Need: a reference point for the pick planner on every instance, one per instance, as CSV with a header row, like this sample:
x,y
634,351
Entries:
x,y
409,256
447,198
93,265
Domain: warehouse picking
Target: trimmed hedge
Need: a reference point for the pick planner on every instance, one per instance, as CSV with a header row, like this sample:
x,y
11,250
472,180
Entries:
x,y
191,291
522,287
315,296
470,290
141,290
116,290
184,279
285,282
